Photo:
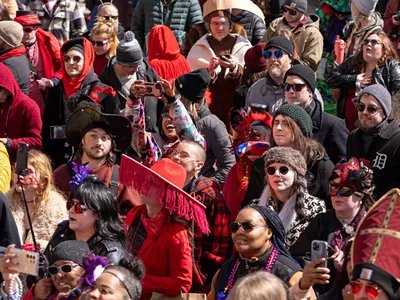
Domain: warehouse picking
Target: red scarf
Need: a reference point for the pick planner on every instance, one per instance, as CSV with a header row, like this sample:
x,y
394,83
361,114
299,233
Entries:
x,y
13,52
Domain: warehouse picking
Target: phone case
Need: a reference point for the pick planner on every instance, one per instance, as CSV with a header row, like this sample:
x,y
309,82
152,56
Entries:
x,y
319,249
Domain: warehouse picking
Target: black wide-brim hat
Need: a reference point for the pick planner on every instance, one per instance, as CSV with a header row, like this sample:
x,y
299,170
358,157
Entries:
x,y
88,116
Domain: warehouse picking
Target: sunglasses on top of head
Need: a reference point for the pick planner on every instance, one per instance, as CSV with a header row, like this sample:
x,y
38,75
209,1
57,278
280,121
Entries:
x,y
290,11
277,53
78,208
371,291
372,109
283,170
246,225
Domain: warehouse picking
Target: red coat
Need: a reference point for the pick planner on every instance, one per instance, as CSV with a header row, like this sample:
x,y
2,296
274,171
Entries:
x,y
49,48
167,257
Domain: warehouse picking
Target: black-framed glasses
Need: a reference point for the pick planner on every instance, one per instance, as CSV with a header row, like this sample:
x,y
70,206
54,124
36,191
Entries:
x,y
340,191
283,170
297,87
99,43
246,225
373,42
53,270
290,11
75,58
277,53
372,109
108,18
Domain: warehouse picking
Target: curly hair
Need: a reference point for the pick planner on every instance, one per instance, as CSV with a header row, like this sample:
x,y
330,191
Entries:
x,y
106,31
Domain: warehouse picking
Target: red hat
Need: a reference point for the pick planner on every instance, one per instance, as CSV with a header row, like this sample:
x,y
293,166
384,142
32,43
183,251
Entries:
x,y
254,58
167,180
26,18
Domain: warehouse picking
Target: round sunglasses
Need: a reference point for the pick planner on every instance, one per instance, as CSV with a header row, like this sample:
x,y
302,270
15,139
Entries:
x,y
283,170
371,291
53,270
277,53
78,208
372,109
246,225
75,58
297,87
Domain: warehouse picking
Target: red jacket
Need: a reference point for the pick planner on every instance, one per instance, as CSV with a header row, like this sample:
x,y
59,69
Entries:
x,y
392,30
20,119
49,48
167,257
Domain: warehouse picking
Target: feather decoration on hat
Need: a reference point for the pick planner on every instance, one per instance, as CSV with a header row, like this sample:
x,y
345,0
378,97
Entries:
x,y
81,172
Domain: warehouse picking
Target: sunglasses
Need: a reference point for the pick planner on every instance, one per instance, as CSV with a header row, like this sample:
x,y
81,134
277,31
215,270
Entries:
x,y
372,109
297,87
341,191
290,11
371,291
108,18
78,208
53,270
282,170
277,53
99,43
246,225
372,41
75,58
29,29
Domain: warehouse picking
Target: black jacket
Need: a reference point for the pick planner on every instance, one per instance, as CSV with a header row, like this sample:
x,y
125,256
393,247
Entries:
x,y
58,149
344,78
253,24
20,67
153,107
383,151
9,232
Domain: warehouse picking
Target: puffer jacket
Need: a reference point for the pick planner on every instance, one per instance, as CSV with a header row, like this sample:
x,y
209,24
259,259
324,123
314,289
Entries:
x,y
254,25
344,78
179,15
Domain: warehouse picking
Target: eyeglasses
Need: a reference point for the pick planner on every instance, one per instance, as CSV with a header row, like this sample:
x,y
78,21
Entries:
x,y
371,291
290,11
78,208
373,42
53,270
99,43
282,170
246,225
277,53
372,109
107,18
341,191
76,59
30,29
297,87
219,24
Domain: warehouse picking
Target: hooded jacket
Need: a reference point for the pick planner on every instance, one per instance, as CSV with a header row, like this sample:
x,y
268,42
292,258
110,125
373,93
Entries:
x,y
20,119
254,25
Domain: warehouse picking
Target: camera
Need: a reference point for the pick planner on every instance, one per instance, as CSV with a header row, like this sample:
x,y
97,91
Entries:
x,y
154,89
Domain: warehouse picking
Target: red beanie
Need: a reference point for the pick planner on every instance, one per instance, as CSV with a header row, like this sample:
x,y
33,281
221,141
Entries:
x,y
254,58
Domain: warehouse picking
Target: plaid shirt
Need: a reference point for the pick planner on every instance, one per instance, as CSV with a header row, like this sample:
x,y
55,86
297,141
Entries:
x,y
65,21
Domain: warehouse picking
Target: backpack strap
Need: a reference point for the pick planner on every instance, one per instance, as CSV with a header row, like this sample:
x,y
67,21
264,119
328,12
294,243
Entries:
x,y
71,171
114,183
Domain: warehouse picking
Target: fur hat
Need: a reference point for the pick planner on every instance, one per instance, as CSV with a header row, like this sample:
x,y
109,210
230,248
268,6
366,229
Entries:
x,y
287,156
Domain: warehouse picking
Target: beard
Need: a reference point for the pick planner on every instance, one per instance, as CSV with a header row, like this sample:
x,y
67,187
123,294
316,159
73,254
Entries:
x,y
95,155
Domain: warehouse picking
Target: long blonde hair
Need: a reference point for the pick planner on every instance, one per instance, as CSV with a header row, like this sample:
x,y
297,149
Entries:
x,y
108,31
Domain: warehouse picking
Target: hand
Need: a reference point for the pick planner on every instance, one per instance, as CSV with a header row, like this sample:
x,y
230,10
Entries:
x,y
138,89
169,88
43,288
227,62
45,83
314,275
346,293
213,65
8,264
338,258
364,80
3,140
395,20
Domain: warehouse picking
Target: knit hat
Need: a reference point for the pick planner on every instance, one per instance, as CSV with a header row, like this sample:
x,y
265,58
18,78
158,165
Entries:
x,y
193,85
129,53
11,33
254,58
366,7
282,43
305,73
299,115
287,156
299,5
72,250
381,94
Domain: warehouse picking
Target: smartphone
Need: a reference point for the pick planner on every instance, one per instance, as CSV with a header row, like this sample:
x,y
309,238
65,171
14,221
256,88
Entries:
x,y
319,249
57,132
154,89
260,108
21,167
225,56
28,262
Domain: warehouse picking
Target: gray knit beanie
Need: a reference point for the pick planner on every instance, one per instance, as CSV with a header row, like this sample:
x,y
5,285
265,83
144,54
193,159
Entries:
x,y
366,7
381,94
287,156
11,33
299,115
72,250
129,53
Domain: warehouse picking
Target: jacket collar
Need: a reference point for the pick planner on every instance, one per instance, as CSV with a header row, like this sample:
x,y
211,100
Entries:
x,y
315,112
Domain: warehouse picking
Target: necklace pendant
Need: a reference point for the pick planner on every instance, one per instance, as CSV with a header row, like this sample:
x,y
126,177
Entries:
x,y
247,265
349,230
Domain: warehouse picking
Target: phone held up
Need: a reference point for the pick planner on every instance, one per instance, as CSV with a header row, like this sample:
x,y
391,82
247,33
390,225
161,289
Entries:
x,y
319,249
21,167
28,262
154,89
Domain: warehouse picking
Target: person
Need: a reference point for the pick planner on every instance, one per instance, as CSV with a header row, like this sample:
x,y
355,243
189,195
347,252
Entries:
x,y
286,191
328,130
11,8
93,218
14,107
254,24
376,57
43,51
97,138
108,13
179,15
259,239
351,186
9,233
309,40
377,137
46,206
159,229
164,55
222,53
124,69
12,53
105,42
4,15
78,78
210,251
5,169
392,23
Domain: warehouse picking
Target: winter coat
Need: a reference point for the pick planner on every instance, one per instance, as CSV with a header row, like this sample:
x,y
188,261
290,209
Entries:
x,y
20,119
344,77
308,38
153,107
254,25
44,222
382,149
393,31
5,169
55,115
179,15
9,231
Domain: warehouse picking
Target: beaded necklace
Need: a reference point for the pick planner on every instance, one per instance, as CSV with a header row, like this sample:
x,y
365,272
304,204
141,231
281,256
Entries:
x,y
268,267
15,288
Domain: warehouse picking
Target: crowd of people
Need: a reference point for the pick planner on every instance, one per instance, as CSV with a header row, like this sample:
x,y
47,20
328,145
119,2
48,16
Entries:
x,y
194,152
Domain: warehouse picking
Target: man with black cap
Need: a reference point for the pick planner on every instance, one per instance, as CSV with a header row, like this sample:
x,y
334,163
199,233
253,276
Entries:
x,y
127,67
329,130
378,137
308,38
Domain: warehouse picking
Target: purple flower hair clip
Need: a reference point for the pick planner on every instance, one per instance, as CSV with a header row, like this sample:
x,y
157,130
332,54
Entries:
x,y
94,266
81,172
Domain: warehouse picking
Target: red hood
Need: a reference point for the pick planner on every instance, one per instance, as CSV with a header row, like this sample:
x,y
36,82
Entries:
x,y
7,81
163,43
